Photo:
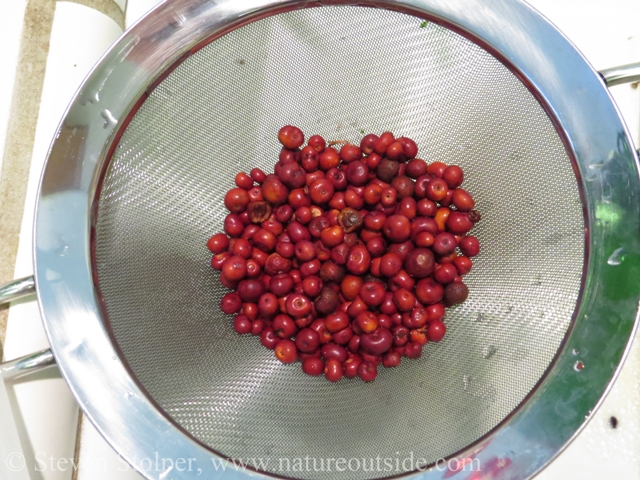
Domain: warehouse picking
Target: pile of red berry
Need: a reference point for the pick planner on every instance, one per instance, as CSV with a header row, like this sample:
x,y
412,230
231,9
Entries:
x,y
345,258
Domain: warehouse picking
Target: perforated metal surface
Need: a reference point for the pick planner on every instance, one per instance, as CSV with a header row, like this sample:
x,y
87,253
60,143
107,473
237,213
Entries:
x,y
338,72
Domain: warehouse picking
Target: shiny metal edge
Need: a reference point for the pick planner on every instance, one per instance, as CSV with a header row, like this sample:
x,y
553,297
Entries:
x,y
577,100
16,289
621,74
31,363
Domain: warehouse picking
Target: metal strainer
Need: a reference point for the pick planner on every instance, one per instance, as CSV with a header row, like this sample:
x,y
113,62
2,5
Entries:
x,y
196,92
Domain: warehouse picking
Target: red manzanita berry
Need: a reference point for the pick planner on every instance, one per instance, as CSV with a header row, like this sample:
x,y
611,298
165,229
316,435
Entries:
x,y
469,246
429,291
404,300
218,243
286,351
377,342
462,200
332,236
453,175
372,162
268,338
390,264
444,243
337,321
397,228
359,260
459,223
329,158
312,286
350,366
367,371
309,159
463,265
350,286
307,340
436,169
377,246
356,173
436,330
395,151
284,326
372,293
231,303
435,312
388,196
409,147
426,208
343,337
258,175
257,326
332,351
236,200
446,273
274,191
366,321
333,370
233,225
291,137
298,305
317,142
387,170
412,350
321,191
350,153
416,168
235,268
242,324
419,263
313,366
437,189
391,359
403,185
383,142
375,220
367,143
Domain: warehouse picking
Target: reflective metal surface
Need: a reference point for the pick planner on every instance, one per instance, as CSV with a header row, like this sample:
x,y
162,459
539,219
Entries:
x,y
577,102
621,74
19,288
28,364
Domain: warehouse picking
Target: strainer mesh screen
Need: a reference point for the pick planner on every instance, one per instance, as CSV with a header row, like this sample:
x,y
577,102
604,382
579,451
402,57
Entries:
x,y
337,72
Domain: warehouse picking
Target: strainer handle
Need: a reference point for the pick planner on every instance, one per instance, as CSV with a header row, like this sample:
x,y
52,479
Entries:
x,y
621,74
10,445
33,362
17,289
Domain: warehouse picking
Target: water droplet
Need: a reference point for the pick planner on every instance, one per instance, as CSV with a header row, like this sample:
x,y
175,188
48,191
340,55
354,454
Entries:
x,y
578,366
466,381
617,257
109,119
90,97
489,351
575,351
